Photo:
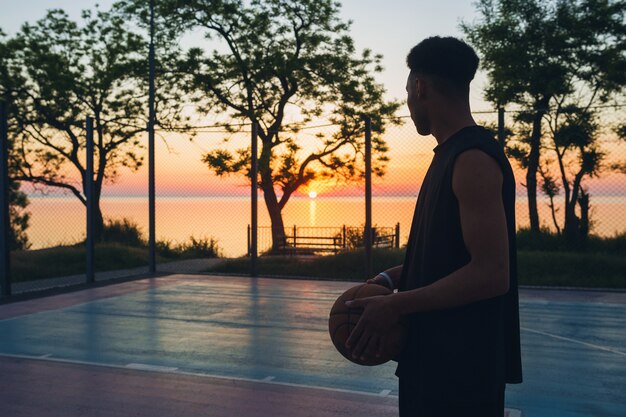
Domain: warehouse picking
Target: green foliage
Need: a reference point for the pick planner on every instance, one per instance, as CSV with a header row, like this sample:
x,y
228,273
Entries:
x,y
200,248
621,131
535,49
546,241
65,71
18,200
128,233
204,247
19,217
124,231
556,60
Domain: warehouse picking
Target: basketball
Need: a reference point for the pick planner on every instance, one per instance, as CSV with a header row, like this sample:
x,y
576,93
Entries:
x,y
343,319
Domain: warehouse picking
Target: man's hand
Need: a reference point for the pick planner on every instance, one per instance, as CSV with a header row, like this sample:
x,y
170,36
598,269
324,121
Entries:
x,y
368,339
378,280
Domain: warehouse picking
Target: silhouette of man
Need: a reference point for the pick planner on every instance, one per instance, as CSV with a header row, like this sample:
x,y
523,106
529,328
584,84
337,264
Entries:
x,y
457,288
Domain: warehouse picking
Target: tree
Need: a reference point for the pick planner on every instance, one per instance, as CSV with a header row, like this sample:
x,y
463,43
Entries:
x,y
274,60
620,131
546,56
97,69
574,142
18,200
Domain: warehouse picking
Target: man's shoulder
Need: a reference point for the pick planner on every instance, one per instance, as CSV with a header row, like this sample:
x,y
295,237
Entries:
x,y
476,174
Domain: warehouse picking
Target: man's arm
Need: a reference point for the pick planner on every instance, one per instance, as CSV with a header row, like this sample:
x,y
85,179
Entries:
x,y
477,184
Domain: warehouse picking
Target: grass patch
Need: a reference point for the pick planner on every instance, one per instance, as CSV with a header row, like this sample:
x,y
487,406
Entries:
x,y
559,269
551,242
121,247
567,269
346,266
70,260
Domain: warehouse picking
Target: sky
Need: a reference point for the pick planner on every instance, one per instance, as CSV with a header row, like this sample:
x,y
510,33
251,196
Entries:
x,y
388,27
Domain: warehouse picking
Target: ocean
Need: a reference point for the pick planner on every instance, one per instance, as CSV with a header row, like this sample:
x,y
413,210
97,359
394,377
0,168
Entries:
x,y
59,220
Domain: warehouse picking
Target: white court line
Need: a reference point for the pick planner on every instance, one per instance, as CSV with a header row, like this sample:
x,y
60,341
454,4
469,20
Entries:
x,y
580,342
154,368
179,372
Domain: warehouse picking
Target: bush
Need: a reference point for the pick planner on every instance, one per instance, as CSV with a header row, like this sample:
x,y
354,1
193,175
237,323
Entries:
x,y
123,231
548,241
193,248
200,248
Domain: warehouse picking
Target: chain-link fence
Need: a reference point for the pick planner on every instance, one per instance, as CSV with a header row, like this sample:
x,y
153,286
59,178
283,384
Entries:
x,y
204,211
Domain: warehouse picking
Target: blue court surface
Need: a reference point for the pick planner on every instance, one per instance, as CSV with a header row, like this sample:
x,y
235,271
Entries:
x,y
274,331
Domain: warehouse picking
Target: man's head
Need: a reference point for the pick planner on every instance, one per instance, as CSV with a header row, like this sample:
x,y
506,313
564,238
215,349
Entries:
x,y
441,71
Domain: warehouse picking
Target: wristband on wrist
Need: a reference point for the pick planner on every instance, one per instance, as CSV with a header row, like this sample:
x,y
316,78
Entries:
x,y
387,279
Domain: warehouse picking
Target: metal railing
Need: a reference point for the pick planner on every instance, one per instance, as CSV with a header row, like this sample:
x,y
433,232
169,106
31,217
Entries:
x,y
320,240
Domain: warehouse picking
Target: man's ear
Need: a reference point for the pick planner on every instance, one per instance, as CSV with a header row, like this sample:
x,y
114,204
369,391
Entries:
x,y
421,88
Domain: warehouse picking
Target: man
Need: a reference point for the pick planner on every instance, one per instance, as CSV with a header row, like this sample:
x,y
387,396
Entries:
x,y
457,288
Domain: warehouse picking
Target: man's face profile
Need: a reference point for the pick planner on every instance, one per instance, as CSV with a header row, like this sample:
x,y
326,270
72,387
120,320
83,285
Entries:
x,y
417,110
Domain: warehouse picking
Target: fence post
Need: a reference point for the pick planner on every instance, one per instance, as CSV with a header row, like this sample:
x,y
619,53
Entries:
x,y
344,236
249,248
367,235
398,235
501,125
295,239
89,191
151,158
254,199
5,222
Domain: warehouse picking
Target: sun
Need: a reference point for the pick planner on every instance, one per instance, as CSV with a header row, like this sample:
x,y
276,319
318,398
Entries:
x,y
312,194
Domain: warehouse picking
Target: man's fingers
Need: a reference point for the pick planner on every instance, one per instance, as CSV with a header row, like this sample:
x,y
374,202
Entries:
x,y
358,303
382,346
360,346
371,350
355,335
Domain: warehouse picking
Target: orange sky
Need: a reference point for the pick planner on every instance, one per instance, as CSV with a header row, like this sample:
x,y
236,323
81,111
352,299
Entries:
x,y
181,173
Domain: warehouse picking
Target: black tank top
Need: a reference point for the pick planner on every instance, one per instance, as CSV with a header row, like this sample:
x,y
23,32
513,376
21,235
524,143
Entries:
x,y
474,349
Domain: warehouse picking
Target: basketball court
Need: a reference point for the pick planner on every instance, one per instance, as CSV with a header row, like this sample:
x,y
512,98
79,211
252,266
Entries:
x,y
195,345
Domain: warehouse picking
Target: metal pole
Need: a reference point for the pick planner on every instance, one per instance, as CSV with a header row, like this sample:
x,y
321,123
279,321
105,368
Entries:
x,y
5,222
501,125
89,192
368,198
397,235
249,247
254,172
151,175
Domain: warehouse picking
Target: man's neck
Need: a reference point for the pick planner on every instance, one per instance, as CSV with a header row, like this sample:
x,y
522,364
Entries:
x,y
450,122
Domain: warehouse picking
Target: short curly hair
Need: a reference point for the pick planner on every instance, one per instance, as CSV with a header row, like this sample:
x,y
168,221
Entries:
x,y
447,58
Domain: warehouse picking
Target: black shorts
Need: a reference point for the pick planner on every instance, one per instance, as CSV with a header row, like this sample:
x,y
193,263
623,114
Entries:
x,y
413,406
